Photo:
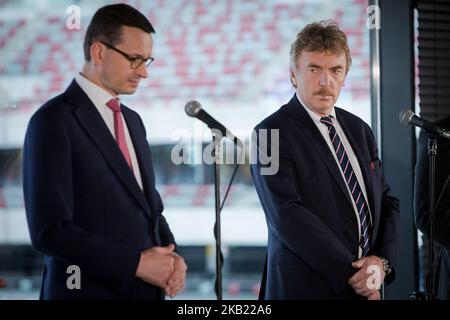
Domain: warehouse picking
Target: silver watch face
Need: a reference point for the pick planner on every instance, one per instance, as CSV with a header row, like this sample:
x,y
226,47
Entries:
x,y
386,266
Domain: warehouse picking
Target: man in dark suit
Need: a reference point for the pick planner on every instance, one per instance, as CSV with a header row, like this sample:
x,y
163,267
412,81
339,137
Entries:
x,y
333,226
442,212
89,185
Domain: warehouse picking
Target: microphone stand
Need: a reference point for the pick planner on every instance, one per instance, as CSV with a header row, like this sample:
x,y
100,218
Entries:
x,y
432,152
217,138
432,206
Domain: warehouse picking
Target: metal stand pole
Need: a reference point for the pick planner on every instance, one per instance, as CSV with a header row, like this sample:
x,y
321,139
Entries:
x,y
217,228
432,152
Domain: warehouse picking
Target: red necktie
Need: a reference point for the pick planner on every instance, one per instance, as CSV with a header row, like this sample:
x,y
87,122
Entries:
x,y
119,130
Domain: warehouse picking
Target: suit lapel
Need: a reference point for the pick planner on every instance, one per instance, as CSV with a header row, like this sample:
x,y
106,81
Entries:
x,y
95,127
307,126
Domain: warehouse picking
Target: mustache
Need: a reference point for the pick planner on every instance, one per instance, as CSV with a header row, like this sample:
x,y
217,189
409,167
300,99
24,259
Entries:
x,y
323,92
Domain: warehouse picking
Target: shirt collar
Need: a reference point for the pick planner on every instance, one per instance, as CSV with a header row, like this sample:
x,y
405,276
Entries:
x,y
98,95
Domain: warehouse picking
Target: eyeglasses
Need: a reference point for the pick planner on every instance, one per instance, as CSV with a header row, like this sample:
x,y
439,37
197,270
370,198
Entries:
x,y
135,62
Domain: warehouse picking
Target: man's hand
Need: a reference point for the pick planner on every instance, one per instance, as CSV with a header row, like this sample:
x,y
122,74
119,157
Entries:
x,y
360,281
156,265
374,296
178,277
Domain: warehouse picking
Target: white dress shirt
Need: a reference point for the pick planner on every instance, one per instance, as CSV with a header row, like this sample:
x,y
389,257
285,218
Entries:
x,y
351,156
99,98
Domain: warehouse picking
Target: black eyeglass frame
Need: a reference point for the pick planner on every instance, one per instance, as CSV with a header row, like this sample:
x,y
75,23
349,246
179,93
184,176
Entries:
x,y
131,58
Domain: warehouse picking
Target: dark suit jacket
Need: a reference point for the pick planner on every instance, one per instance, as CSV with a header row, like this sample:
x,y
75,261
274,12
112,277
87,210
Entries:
x,y
313,230
442,214
84,206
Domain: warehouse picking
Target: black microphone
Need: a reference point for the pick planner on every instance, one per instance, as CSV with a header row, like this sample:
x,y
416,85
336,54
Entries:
x,y
194,109
408,117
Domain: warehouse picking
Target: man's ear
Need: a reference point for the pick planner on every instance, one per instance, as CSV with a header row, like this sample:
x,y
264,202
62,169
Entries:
x,y
97,52
293,78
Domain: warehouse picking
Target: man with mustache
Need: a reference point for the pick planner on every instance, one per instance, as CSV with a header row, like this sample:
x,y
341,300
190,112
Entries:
x,y
332,223
89,185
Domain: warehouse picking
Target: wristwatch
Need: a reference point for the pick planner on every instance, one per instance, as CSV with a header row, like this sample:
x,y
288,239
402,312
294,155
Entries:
x,y
387,267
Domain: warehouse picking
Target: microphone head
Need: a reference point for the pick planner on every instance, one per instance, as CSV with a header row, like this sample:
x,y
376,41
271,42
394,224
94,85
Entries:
x,y
192,108
405,116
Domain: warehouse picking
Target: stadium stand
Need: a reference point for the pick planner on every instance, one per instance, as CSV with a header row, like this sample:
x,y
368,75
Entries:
x,y
213,49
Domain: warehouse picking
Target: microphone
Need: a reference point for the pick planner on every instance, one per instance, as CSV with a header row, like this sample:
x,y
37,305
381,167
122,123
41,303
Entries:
x,y
194,109
408,117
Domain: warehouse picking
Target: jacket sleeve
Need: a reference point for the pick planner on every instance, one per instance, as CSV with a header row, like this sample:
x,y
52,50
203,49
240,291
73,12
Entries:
x,y
386,244
165,233
164,230
49,203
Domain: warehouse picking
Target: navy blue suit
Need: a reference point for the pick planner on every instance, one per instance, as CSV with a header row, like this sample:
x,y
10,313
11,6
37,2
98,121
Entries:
x,y
313,229
84,206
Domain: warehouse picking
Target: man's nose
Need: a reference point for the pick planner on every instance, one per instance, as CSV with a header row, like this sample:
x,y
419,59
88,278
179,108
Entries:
x,y
325,79
142,71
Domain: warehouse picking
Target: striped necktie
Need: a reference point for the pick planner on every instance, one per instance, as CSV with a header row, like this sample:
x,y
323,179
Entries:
x,y
353,185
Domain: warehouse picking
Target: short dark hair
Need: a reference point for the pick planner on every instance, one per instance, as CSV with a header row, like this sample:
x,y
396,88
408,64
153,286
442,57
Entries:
x,y
320,36
106,25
